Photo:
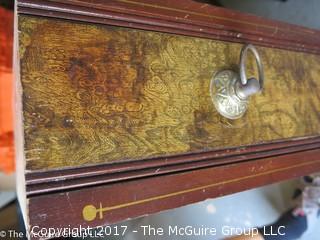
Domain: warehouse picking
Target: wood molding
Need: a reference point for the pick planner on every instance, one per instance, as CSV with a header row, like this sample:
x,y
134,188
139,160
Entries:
x,y
44,182
181,17
141,197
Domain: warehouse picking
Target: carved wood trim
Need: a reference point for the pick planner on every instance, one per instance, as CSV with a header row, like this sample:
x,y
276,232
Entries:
x,y
181,17
141,197
41,182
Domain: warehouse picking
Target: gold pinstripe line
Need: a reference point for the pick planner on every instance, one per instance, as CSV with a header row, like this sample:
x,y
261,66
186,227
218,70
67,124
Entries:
x,y
204,187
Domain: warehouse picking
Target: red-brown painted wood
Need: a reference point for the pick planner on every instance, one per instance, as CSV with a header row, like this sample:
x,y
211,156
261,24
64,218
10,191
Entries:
x,y
181,17
140,197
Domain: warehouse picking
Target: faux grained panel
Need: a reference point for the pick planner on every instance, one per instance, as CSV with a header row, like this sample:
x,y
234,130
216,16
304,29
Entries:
x,y
96,94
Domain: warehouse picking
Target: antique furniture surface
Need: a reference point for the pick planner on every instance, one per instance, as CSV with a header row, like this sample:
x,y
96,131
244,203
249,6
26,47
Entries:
x,y
114,114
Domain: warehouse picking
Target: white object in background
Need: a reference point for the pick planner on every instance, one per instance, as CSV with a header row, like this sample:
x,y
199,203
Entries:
x,y
6,198
7,182
7,189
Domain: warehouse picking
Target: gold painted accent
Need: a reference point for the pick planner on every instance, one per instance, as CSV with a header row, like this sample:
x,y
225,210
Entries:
x,y
89,211
95,94
251,24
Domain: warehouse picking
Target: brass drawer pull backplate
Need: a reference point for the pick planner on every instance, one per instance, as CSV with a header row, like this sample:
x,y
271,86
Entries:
x,y
230,91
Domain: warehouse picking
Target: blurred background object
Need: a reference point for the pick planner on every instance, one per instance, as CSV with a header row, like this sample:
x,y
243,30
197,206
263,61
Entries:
x,y
8,203
9,210
304,13
6,87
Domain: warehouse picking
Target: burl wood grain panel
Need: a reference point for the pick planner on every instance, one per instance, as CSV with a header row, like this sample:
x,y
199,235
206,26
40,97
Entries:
x,y
95,94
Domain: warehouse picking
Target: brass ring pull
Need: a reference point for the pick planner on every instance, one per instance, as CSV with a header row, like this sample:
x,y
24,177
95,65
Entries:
x,y
243,60
247,87
230,91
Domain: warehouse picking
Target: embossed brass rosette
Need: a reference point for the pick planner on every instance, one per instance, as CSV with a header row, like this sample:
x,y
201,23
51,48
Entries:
x,y
230,91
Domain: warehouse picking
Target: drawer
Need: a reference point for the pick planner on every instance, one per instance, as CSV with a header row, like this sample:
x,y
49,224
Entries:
x,y
116,116
96,94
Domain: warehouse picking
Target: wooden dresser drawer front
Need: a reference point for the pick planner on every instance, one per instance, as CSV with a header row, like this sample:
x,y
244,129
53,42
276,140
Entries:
x,y
96,94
